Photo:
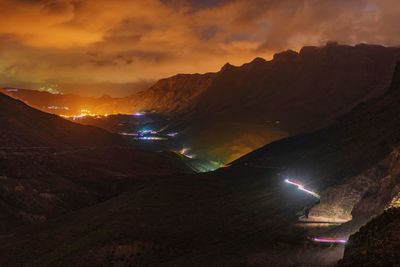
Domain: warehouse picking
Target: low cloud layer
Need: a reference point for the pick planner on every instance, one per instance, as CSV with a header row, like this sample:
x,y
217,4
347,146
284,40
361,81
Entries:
x,y
134,42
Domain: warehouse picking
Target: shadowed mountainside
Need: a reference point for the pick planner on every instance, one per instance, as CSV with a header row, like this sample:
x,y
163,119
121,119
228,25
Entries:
x,y
263,101
226,114
360,138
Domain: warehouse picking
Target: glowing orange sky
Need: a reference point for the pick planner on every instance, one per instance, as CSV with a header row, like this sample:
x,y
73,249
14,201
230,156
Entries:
x,y
128,44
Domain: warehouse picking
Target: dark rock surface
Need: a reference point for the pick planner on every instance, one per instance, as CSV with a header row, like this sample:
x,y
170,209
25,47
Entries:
x,y
375,244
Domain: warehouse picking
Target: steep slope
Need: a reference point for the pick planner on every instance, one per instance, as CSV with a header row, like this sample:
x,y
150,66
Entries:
x,y
242,215
22,125
353,143
175,94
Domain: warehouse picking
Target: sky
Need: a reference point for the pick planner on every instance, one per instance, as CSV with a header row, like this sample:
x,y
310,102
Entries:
x,y
117,47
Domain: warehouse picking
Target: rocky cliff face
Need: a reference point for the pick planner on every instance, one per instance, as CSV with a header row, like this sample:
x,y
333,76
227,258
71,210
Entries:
x,y
175,94
377,243
360,198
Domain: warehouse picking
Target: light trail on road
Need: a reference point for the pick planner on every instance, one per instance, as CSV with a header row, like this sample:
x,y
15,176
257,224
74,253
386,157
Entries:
x,y
301,187
329,240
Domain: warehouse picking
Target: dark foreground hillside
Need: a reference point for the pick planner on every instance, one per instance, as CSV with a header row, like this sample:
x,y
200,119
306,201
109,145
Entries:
x,y
222,219
39,184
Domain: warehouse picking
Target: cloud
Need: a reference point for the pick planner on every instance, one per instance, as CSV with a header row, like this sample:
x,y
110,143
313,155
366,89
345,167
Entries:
x,y
126,42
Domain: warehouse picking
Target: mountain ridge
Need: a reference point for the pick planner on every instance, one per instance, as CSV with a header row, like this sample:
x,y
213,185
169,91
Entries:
x,y
227,114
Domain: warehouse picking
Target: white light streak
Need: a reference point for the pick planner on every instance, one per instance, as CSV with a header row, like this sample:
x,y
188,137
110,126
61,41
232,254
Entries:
x,y
301,187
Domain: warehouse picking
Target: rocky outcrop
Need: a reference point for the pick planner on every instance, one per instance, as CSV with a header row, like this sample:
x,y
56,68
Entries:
x,y
175,94
375,244
360,198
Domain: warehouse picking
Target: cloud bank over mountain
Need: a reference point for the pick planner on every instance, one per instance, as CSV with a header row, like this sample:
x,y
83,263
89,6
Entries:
x,y
130,43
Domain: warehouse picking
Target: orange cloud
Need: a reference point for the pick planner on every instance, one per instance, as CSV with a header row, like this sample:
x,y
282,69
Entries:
x,y
132,41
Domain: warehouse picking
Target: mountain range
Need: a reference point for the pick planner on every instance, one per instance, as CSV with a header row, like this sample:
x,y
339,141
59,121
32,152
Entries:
x,y
245,214
224,115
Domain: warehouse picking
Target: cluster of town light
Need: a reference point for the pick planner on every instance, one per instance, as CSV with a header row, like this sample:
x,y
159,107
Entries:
x,y
52,89
83,114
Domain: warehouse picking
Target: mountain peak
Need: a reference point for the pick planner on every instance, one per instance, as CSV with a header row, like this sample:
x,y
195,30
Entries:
x,y
258,60
227,66
287,55
332,43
